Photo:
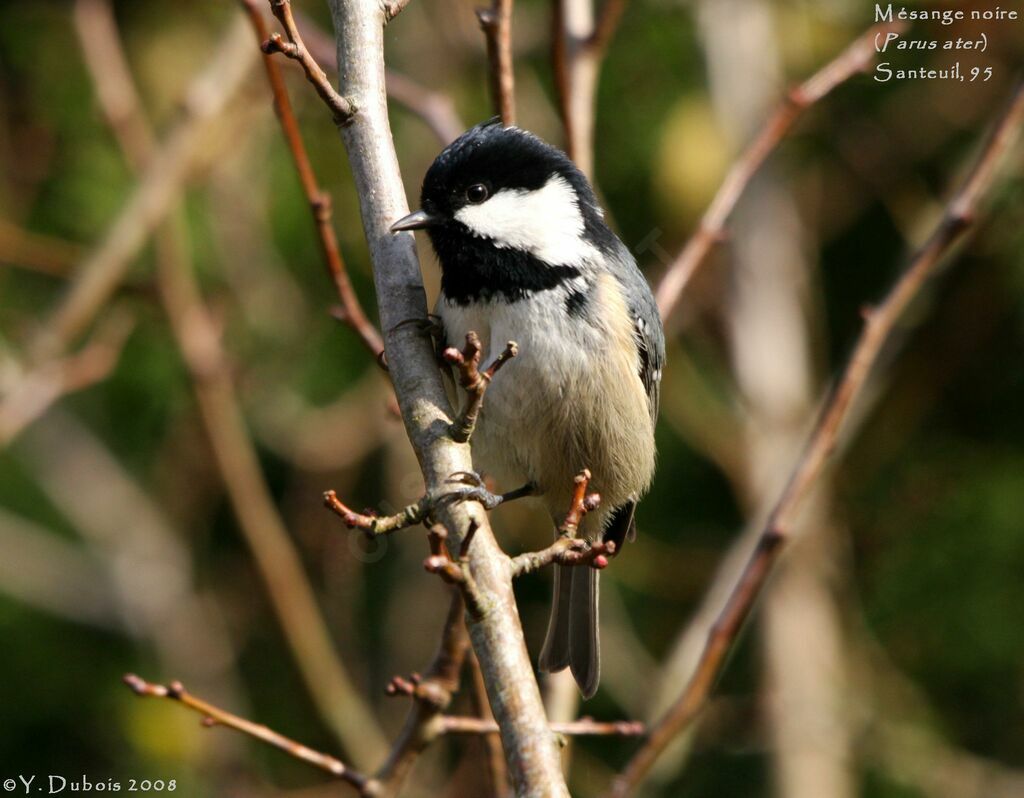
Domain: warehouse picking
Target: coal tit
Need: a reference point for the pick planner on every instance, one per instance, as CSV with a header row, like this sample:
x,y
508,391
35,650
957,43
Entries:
x,y
526,256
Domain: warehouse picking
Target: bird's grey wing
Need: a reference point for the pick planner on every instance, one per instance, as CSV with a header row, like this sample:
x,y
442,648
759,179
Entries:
x,y
649,338
647,330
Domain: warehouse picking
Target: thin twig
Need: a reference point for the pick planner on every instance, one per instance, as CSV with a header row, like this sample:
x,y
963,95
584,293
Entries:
x,y
214,716
340,107
319,201
473,381
852,61
496,23
97,29
584,727
435,108
582,503
879,324
378,525
565,551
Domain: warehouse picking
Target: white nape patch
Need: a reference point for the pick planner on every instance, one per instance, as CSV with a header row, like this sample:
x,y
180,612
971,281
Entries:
x,y
546,222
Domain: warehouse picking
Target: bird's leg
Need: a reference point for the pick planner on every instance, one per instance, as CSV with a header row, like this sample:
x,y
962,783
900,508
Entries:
x,y
433,327
476,490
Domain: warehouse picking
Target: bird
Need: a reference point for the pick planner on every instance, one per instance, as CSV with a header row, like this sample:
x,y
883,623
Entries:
x,y
526,255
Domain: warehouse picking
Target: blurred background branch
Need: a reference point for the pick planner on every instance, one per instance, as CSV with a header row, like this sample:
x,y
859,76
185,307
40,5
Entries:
x,y
778,528
198,339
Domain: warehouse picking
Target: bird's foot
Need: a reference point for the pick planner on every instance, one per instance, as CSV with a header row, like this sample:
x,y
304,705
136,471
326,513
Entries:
x,y
476,490
432,327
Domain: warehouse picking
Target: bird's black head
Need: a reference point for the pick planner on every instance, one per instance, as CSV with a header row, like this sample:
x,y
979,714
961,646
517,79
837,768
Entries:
x,y
507,214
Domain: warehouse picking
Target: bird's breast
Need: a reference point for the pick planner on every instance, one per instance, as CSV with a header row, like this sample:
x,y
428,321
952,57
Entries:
x,y
571,399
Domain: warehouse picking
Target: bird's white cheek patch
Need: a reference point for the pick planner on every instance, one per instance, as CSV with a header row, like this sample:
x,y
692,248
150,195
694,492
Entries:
x,y
546,222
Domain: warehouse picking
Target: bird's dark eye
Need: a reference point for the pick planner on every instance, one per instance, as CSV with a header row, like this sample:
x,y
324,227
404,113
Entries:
x,y
477,193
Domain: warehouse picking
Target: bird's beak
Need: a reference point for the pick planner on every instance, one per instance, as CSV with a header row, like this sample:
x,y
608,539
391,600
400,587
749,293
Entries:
x,y
414,221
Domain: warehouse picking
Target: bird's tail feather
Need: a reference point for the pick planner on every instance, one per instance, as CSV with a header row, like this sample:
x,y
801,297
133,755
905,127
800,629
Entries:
x,y
554,656
572,637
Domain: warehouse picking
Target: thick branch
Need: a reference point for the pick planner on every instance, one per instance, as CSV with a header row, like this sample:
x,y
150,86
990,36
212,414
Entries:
x,y
319,201
879,324
214,716
530,747
711,228
496,23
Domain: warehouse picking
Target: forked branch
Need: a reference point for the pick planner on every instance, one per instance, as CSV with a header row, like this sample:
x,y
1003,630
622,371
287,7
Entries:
x,y
455,571
37,390
474,381
435,108
431,693
319,201
879,324
565,551
341,108
214,716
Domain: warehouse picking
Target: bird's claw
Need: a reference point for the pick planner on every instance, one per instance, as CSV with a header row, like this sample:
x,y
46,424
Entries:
x,y
478,494
467,478
476,490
